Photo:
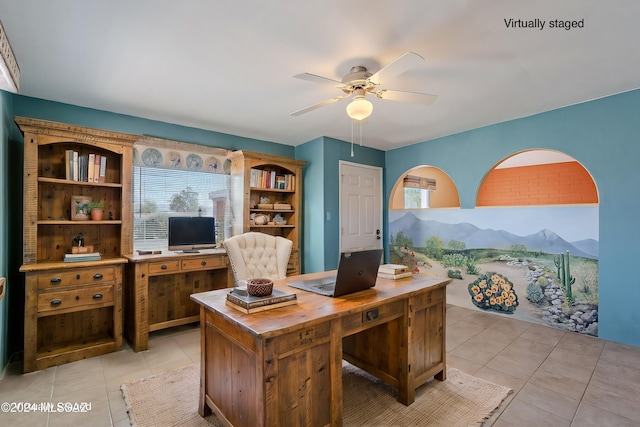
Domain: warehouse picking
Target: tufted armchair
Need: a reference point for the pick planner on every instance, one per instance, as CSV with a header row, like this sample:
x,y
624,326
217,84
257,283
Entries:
x,y
253,255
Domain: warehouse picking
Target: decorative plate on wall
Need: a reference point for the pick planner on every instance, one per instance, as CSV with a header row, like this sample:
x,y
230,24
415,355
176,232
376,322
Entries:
x,y
174,158
151,157
211,164
193,162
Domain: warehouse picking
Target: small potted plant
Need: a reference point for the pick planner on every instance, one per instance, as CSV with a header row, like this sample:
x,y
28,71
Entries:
x,y
96,209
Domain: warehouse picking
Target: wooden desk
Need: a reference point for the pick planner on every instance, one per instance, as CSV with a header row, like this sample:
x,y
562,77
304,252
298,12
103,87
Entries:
x,y
284,366
157,289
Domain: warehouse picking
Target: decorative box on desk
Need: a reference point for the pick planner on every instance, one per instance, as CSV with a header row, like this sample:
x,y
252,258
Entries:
x,y
158,286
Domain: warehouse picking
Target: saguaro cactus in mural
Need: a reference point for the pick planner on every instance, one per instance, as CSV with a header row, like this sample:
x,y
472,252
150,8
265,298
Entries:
x,y
564,274
557,260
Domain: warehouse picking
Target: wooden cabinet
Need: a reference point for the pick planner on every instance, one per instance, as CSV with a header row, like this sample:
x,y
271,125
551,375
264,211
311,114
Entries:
x,y
268,191
158,289
73,310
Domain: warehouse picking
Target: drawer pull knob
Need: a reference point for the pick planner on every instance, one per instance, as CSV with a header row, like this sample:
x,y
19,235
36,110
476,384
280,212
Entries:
x,y
78,276
56,302
163,267
56,280
203,263
97,296
97,276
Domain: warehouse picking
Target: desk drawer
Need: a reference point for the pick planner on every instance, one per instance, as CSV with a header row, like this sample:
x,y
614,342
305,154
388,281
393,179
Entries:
x,y
304,338
168,266
436,296
81,297
80,276
372,316
203,263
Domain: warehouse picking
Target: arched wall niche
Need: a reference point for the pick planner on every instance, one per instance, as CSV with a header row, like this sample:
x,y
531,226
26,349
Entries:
x,y
445,195
537,177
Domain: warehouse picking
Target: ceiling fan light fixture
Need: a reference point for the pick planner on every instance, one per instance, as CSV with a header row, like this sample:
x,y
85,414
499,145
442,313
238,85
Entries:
x,y
360,108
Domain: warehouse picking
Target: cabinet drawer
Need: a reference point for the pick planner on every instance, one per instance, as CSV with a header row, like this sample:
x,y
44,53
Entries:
x,y
81,297
168,266
373,316
203,263
81,276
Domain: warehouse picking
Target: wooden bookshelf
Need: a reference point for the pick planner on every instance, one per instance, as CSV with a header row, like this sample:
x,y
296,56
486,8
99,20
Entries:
x,y
248,191
73,310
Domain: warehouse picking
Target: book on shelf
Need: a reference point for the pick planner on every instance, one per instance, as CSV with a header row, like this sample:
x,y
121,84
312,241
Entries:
x,y
91,167
395,276
103,168
393,268
90,256
68,164
250,304
75,166
96,168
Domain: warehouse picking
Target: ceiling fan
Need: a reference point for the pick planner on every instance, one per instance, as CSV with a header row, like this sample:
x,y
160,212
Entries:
x,y
360,82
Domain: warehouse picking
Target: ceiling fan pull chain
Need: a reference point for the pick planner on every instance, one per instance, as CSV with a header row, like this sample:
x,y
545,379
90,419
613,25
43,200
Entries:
x,y
352,137
360,133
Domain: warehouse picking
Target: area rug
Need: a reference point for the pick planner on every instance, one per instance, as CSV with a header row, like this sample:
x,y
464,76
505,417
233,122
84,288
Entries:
x,y
171,399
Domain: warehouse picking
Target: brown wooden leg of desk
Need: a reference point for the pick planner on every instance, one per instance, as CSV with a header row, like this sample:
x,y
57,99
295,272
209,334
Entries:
x,y
406,384
203,408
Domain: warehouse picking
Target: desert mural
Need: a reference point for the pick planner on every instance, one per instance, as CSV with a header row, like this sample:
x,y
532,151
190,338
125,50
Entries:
x,y
538,264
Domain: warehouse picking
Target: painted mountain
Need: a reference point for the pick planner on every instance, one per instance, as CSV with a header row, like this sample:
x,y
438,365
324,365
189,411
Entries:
x,y
476,238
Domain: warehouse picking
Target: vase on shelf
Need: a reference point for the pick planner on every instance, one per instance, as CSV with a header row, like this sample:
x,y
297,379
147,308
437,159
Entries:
x,y
96,214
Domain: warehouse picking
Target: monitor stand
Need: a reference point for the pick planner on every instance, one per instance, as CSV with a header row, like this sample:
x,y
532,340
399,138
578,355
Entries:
x,y
190,251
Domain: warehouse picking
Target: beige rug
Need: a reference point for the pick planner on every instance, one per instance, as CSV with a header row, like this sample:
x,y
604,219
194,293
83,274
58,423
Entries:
x,y
171,399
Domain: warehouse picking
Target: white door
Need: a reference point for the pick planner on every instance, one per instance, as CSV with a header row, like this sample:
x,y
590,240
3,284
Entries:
x,y
360,207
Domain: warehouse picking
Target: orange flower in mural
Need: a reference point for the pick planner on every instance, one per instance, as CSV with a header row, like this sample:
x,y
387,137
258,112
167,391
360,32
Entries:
x,y
493,291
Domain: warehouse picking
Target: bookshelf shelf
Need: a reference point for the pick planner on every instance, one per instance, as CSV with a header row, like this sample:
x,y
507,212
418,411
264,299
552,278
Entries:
x,y
273,226
272,210
69,222
81,183
271,190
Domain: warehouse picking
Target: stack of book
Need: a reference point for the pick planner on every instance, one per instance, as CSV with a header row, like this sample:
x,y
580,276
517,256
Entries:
x,y
250,304
394,271
86,256
85,167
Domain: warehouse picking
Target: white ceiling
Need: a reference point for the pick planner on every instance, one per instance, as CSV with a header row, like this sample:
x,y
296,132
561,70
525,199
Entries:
x,y
228,66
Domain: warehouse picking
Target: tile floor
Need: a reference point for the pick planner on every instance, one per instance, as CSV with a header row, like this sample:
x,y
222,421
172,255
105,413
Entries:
x,y
559,378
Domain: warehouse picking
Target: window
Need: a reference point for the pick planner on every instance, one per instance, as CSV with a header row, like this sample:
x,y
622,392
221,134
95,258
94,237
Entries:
x,y
416,198
159,193
417,190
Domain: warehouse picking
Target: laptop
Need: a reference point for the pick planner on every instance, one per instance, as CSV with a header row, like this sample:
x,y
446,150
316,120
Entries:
x,y
357,271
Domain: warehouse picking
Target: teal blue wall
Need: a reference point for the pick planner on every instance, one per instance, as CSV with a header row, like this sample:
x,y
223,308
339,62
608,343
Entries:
x,y
65,113
5,114
604,136
312,239
322,197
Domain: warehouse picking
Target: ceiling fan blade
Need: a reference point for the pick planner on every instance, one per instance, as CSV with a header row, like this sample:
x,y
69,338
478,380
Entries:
x,y
400,65
413,97
318,105
319,79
